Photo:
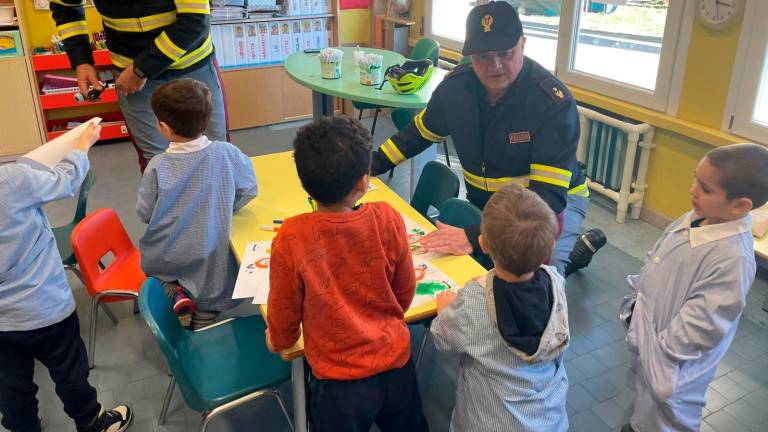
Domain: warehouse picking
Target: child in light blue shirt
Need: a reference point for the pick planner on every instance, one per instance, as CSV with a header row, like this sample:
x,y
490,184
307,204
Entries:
x,y
37,312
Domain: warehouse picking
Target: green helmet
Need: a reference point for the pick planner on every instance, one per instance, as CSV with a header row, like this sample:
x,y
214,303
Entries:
x,y
409,77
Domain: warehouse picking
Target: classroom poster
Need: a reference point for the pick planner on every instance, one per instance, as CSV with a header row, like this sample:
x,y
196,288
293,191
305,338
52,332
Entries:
x,y
228,45
296,41
328,35
252,43
275,48
240,47
285,38
306,33
294,7
217,44
306,7
264,53
318,33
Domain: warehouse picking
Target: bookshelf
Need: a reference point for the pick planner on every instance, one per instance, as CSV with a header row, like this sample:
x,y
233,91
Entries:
x,y
250,53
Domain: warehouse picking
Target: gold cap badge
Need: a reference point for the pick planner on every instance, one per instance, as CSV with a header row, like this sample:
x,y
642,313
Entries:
x,y
487,22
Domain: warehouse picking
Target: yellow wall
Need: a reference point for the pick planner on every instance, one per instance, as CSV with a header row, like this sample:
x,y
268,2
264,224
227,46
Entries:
x,y
355,26
40,26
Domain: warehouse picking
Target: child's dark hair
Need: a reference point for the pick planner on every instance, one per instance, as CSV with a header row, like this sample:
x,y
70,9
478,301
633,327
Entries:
x,y
332,154
519,228
184,105
740,171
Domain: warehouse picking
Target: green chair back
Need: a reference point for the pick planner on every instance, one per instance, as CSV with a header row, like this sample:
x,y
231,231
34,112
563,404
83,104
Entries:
x,y
426,48
460,213
437,184
402,117
466,59
63,233
215,365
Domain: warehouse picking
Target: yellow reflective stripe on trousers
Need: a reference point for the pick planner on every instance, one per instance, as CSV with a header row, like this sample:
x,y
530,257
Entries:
x,y
580,190
192,6
140,24
392,152
552,175
493,184
426,133
72,29
188,60
167,47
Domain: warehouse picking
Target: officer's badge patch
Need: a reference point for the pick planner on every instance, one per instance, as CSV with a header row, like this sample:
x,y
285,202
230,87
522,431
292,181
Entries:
x,y
519,137
555,90
487,22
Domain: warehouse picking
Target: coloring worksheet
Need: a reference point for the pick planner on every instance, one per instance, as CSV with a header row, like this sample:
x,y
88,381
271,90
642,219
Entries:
x,y
253,277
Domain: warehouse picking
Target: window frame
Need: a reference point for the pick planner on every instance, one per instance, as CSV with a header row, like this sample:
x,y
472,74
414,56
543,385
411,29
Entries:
x,y
664,98
748,70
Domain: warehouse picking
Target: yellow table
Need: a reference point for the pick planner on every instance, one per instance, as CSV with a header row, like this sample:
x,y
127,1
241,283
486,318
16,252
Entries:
x,y
281,196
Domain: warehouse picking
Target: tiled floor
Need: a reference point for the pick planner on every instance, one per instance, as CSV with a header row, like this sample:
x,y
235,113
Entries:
x,y
129,367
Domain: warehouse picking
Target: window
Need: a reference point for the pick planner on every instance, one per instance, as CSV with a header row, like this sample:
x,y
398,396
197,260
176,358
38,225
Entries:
x,y
622,48
747,106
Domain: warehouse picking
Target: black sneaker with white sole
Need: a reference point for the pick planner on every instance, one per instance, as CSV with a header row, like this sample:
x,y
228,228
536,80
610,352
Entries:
x,y
115,420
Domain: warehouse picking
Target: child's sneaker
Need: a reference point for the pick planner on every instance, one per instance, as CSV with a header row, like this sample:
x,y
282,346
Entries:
x,y
183,306
115,420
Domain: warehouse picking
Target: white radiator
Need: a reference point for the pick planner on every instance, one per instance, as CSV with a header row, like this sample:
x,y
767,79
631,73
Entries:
x,y
615,168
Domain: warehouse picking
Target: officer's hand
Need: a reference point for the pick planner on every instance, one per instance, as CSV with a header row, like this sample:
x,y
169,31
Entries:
x,y
448,240
86,77
128,82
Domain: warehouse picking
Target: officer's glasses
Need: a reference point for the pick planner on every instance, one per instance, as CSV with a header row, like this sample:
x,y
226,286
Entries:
x,y
491,56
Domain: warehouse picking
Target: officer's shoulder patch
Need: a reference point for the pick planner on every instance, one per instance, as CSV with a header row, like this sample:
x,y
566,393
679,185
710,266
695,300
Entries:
x,y
555,90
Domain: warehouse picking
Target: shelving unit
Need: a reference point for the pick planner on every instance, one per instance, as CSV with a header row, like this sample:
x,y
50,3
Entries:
x,y
114,126
20,117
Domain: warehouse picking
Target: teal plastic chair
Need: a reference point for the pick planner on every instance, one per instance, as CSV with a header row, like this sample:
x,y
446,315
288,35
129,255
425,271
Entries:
x,y
460,213
64,232
402,117
437,184
425,48
217,368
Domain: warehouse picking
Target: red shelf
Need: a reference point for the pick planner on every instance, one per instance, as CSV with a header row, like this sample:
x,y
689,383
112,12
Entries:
x,y
108,132
47,62
67,100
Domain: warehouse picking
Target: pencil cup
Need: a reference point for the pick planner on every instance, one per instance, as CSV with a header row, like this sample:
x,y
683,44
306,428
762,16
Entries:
x,y
330,70
370,76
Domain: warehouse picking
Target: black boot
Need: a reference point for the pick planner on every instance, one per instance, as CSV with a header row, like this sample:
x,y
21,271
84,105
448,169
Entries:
x,y
584,249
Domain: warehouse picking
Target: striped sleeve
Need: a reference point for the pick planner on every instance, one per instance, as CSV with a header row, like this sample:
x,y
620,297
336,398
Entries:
x,y
182,43
72,30
426,128
449,330
553,154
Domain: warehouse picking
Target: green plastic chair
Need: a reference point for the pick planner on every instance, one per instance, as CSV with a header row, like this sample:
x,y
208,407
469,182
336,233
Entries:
x,y
466,59
217,368
64,232
402,117
437,184
460,213
425,48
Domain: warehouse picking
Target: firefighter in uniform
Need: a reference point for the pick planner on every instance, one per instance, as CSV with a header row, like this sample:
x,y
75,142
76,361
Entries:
x,y
151,41
511,121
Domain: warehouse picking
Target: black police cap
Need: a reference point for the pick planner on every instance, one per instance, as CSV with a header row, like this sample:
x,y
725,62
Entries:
x,y
494,26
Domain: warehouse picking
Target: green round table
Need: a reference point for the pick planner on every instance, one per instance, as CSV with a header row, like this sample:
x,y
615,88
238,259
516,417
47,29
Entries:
x,y
305,70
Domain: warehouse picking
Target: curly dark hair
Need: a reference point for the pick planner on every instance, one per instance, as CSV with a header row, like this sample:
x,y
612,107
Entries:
x,y
332,154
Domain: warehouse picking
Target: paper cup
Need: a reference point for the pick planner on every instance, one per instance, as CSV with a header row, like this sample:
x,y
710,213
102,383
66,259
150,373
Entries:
x,y
370,77
330,70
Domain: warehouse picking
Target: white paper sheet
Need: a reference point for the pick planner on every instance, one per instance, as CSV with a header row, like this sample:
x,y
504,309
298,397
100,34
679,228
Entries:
x,y
52,152
253,277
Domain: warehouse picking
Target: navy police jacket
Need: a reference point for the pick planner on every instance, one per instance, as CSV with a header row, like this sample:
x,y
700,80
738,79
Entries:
x,y
159,37
528,137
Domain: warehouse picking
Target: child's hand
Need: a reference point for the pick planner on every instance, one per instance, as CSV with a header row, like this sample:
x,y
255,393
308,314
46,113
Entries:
x,y
89,137
270,347
444,298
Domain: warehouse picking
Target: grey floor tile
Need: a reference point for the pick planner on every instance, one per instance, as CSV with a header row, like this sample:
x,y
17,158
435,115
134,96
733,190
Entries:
x,y
714,400
579,399
727,387
601,388
722,421
588,365
588,421
747,414
611,413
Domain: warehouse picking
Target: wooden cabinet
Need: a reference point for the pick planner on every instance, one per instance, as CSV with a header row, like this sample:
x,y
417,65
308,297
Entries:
x,y
19,119
264,95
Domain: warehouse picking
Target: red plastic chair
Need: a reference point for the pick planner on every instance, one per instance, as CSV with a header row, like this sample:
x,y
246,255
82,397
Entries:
x,y
99,234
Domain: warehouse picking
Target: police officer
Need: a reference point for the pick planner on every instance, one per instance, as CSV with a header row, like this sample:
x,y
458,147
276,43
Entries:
x,y
152,41
511,121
